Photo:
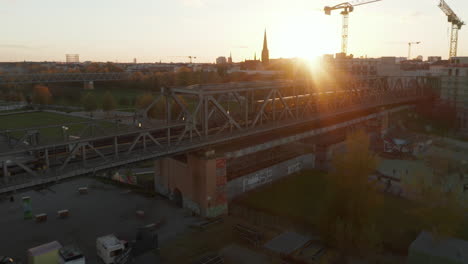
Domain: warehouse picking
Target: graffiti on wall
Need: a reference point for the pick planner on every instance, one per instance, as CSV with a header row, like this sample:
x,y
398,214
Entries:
x,y
219,205
259,178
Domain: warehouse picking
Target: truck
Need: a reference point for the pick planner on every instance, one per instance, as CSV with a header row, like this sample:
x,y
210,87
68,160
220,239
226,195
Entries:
x,y
109,248
71,255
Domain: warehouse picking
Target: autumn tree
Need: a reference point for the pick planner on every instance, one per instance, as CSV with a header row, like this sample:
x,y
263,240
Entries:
x,y
158,110
442,213
184,76
108,102
143,101
440,207
348,220
41,95
90,103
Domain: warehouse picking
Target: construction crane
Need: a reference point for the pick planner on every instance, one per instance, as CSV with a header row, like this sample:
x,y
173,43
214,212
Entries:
x,y
409,48
457,24
347,8
190,57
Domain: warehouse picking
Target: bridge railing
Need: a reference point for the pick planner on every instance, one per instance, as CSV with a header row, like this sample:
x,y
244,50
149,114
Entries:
x,y
201,118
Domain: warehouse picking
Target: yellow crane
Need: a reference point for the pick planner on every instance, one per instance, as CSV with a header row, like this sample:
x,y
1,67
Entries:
x,y
347,8
457,24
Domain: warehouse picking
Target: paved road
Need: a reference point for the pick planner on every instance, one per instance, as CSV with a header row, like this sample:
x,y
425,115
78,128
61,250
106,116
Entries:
x,y
106,209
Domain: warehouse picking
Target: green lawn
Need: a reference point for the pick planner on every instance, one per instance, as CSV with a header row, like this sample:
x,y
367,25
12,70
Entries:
x,y
37,119
300,198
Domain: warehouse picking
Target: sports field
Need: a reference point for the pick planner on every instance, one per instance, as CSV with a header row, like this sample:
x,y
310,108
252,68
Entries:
x,y
74,125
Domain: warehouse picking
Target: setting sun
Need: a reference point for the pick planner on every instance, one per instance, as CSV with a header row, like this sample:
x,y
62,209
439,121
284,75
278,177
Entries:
x,y
306,35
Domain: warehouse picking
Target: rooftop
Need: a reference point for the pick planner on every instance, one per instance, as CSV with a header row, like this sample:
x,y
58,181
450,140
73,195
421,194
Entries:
x,y
109,241
450,248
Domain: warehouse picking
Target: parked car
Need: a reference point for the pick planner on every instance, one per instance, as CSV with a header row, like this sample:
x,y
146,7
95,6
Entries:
x,y
6,260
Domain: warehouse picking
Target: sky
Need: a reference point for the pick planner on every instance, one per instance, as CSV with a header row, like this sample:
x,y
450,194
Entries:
x,y
171,30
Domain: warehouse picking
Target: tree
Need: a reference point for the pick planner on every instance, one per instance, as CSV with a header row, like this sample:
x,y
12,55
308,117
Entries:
x,y
158,111
108,102
349,215
184,76
90,103
41,95
125,101
143,101
440,209
440,212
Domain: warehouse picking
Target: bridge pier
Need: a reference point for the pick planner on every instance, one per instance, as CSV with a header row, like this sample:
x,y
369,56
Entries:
x,y
196,181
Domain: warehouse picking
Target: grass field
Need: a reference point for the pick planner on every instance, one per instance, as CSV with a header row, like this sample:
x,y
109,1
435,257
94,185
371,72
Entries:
x,y
37,119
300,198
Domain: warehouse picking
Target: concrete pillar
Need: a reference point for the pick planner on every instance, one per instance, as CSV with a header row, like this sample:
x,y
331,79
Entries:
x,y
209,183
6,176
46,156
83,154
116,148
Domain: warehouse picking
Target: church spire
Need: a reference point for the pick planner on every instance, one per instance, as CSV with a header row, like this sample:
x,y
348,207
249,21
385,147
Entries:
x,y
265,52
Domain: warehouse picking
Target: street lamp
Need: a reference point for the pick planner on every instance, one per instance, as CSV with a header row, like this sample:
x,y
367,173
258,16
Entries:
x,y
64,132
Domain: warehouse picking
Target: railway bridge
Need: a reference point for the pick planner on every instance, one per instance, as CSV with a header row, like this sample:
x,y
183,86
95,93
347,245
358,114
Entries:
x,y
190,125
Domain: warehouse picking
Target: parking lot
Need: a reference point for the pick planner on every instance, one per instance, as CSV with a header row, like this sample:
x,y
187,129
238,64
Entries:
x,y
104,210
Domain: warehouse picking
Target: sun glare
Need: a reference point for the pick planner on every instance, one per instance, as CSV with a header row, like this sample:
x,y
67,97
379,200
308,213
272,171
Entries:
x,y
306,36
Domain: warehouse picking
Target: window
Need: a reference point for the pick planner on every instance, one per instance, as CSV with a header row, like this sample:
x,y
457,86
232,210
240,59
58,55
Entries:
x,y
457,72
450,72
115,252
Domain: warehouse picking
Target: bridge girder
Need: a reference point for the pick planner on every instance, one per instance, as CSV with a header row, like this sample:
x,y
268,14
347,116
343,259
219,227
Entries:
x,y
207,115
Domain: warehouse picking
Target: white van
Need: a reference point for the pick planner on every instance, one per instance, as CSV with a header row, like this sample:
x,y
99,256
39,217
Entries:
x,y
109,247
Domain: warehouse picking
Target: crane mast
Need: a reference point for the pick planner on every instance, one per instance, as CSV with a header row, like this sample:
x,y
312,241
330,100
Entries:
x,y
409,48
347,8
457,24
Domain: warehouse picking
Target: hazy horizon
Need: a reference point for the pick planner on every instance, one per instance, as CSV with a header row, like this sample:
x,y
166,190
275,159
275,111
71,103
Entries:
x,y
154,30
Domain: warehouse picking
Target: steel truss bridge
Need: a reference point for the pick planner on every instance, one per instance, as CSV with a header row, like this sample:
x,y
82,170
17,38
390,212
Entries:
x,y
62,77
197,117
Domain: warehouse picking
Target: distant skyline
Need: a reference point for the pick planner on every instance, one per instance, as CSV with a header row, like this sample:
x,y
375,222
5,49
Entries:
x,y
154,30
